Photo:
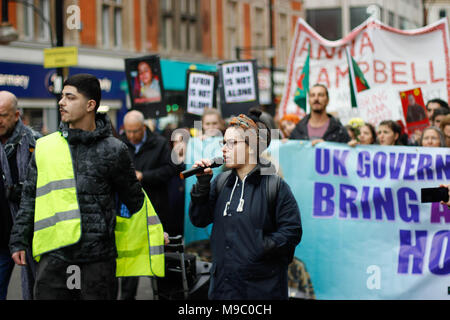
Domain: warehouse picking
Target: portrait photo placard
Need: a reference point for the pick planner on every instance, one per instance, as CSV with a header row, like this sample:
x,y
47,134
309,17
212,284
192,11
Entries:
x,y
145,85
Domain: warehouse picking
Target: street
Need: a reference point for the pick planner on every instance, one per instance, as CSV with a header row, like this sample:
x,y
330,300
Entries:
x,y
144,291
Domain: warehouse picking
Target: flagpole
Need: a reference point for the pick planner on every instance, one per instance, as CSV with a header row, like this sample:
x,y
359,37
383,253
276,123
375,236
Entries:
x,y
351,74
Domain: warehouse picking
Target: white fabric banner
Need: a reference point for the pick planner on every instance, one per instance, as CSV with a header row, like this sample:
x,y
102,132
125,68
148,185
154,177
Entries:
x,y
392,60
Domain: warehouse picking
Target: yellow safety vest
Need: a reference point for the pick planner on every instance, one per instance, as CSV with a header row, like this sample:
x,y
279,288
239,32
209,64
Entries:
x,y
57,220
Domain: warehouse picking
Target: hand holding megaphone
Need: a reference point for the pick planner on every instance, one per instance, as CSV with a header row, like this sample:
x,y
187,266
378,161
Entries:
x,y
202,167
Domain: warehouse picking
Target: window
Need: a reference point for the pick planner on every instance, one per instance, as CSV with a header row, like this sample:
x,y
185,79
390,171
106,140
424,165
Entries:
x,y
28,19
357,16
231,29
442,13
282,45
403,23
43,28
180,26
391,19
167,25
112,23
327,22
258,35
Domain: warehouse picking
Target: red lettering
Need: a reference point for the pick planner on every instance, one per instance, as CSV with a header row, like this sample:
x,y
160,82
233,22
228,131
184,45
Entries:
x,y
305,47
413,71
323,49
395,72
433,80
364,66
366,42
377,70
323,77
340,73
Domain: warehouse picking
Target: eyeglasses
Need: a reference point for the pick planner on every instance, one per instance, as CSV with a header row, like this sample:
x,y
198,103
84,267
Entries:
x,y
229,144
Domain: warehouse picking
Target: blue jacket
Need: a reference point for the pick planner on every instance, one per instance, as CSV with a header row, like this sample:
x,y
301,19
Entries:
x,y
251,249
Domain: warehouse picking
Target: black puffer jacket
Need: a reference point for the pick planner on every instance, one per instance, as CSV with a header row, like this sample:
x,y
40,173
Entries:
x,y
103,169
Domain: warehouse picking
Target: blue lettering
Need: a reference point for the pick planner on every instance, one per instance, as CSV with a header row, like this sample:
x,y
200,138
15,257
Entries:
x,y
408,166
339,162
320,197
379,165
440,166
365,202
326,161
363,169
380,203
395,166
439,240
403,206
406,250
424,165
349,199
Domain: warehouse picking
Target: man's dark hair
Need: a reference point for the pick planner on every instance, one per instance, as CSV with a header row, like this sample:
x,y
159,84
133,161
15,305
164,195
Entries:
x,y
440,101
88,85
322,86
439,112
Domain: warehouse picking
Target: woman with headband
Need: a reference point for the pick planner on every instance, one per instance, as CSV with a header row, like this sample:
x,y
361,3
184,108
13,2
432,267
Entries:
x,y
252,240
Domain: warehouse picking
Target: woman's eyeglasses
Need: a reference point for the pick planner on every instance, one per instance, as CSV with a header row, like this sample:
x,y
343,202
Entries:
x,y
229,144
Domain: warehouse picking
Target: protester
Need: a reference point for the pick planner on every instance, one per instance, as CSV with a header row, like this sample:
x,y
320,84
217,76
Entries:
x,y
73,178
435,104
251,243
151,156
389,133
445,129
438,115
213,124
17,144
288,123
432,137
319,126
367,135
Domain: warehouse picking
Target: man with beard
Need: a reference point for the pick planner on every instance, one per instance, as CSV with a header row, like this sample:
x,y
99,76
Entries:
x,y
17,144
319,126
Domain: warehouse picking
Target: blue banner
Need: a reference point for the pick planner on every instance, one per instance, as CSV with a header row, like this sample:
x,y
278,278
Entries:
x,y
366,234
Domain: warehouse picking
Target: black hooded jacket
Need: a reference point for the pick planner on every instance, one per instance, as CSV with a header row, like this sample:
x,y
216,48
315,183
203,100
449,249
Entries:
x,y
103,169
336,132
154,161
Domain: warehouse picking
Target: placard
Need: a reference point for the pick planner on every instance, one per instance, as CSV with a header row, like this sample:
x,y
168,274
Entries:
x,y
414,110
200,91
238,86
146,85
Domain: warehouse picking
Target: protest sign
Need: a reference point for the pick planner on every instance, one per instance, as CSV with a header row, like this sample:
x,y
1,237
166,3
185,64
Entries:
x,y
238,86
396,59
366,234
200,91
414,110
145,85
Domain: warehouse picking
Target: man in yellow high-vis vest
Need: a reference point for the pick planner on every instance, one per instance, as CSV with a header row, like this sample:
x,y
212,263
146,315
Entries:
x,y
68,207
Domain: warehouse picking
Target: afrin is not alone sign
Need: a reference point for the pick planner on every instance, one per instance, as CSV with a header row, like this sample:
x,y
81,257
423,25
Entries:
x,y
392,60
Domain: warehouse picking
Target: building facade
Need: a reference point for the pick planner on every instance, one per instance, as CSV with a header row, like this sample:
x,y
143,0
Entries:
x,y
184,33
342,16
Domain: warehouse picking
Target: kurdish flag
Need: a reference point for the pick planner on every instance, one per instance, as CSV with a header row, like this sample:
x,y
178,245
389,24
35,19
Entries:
x,y
303,84
357,81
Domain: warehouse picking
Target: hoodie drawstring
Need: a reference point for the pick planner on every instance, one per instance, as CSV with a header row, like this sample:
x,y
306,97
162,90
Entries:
x,y
240,207
231,197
